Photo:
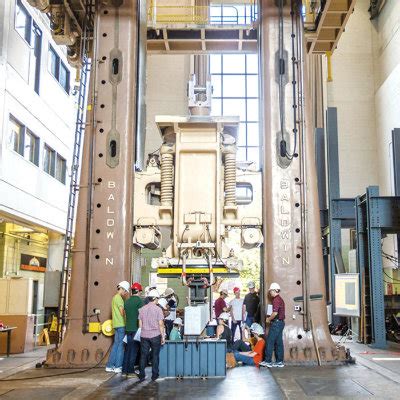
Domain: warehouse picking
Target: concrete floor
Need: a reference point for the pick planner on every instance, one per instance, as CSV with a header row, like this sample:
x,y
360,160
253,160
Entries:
x,y
376,375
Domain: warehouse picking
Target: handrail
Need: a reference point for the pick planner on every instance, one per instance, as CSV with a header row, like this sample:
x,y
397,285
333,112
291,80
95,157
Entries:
x,y
202,15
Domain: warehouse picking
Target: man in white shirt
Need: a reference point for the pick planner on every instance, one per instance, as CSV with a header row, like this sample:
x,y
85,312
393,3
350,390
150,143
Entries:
x,y
236,312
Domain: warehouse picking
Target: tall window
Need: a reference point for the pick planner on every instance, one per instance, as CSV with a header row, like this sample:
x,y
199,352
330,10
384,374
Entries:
x,y
61,167
30,32
234,79
31,147
23,21
49,160
16,136
58,69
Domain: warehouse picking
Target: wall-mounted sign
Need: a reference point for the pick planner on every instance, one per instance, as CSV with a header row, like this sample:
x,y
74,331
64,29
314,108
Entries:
x,y
33,263
347,295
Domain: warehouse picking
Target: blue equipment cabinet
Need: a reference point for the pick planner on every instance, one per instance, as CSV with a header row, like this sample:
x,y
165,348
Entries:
x,y
194,359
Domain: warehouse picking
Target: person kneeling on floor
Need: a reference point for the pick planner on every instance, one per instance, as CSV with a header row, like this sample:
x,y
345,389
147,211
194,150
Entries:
x,y
255,356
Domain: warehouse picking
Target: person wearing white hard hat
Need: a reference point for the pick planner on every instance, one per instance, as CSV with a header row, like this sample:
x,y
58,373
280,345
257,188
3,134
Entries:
x,y
162,302
251,304
277,321
152,334
223,330
176,330
146,294
114,363
255,356
170,296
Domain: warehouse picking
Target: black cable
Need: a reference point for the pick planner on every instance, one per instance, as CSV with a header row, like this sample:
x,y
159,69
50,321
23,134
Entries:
x,y
281,92
60,374
390,257
393,279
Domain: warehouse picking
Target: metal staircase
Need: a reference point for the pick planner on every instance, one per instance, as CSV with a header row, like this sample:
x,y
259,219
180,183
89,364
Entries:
x,y
87,37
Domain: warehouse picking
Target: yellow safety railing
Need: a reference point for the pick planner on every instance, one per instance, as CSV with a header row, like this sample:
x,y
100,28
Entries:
x,y
173,13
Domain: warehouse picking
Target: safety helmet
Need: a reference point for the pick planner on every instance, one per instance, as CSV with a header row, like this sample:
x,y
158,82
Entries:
x,y
274,286
224,291
124,285
168,292
137,286
154,293
224,316
251,285
257,328
236,289
178,321
163,303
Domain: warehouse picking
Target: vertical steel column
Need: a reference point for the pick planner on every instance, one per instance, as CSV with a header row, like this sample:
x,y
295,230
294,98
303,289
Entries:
x,y
321,169
291,219
396,168
102,255
321,178
141,89
375,268
396,160
335,239
362,259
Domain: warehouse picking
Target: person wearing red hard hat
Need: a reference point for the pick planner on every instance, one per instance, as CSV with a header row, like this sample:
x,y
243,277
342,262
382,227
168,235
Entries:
x,y
236,312
132,306
137,286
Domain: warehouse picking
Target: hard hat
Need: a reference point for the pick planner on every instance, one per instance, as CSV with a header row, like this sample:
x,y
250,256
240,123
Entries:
x,y
163,303
148,288
274,286
124,285
178,321
225,316
236,289
137,286
224,291
168,292
251,285
153,293
257,328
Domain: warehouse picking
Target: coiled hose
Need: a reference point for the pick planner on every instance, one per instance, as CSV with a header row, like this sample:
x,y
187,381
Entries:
x,y
230,178
167,179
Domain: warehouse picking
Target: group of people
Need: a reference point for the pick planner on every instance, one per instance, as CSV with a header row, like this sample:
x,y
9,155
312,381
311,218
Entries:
x,y
141,327
259,349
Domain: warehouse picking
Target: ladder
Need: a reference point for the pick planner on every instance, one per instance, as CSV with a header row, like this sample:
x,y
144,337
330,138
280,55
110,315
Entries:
x,y
87,36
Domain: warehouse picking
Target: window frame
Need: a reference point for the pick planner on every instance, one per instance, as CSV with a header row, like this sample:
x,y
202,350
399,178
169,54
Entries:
x,y
63,176
58,65
21,143
28,27
52,160
244,144
36,149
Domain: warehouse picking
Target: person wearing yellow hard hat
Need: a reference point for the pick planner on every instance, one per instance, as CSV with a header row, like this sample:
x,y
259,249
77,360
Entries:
x,y
114,363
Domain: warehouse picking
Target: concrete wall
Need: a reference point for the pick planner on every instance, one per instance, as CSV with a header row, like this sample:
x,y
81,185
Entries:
x,y
387,89
352,92
366,91
167,77
28,192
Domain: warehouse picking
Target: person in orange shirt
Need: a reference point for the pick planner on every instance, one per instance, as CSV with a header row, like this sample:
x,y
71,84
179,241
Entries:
x,y
255,356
